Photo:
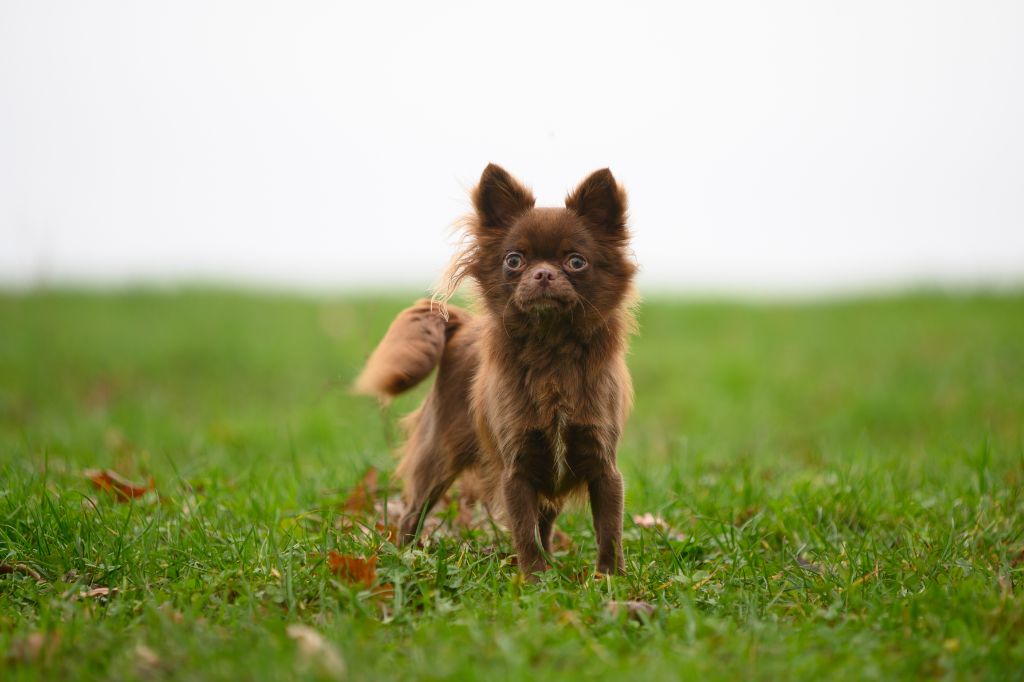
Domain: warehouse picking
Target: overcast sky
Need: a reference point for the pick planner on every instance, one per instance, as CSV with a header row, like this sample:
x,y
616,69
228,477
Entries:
x,y
766,146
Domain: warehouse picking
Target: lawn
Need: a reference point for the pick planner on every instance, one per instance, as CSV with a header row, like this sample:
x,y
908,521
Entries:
x,y
814,490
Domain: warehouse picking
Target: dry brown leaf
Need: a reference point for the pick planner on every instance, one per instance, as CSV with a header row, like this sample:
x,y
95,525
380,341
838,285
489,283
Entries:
x,y
146,656
121,488
637,610
808,565
317,651
34,647
1005,586
649,520
569,618
390,532
353,569
582,576
393,511
173,614
560,540
384,592
866,577
6,569
95,592
361,497
100,394
744,515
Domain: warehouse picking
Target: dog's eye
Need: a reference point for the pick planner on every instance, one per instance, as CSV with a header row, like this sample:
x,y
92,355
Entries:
x,y
576,262
514,261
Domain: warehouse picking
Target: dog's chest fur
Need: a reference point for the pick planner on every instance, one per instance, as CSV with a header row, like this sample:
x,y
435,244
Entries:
x,y
559,450
537,398
555,405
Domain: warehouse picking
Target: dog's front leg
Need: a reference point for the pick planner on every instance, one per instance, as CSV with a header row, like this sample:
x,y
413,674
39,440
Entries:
x,y
606,505
523,509
591,455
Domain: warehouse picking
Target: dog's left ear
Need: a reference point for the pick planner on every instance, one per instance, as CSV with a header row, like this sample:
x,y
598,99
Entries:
x,y
600,201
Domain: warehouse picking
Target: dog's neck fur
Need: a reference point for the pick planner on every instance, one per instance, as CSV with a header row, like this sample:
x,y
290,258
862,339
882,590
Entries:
x,y
552,339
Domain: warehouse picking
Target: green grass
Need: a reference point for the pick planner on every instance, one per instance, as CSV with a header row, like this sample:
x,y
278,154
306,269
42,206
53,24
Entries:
x,y
843,481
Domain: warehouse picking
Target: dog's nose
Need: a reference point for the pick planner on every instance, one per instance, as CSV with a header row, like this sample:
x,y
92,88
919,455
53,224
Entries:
x,y
544,276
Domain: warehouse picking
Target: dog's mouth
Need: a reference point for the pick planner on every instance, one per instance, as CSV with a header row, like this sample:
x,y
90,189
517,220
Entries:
x,y
545,301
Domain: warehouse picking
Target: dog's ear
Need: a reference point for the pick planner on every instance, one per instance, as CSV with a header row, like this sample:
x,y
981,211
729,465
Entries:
x,y
600,201
499,199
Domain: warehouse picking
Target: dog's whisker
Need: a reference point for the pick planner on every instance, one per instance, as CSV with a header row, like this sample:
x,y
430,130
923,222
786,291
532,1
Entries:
x,y
503,311
604,320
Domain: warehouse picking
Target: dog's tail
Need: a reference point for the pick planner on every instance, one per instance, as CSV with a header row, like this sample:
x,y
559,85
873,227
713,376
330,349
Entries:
x,y
409,351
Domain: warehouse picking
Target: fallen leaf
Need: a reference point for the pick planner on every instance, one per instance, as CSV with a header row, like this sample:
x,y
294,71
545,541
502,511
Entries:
x,y
146,656
496,551
384,592
649,520
569,618
121,488
637,610
390,532
744,515
100,395
1005,586
6,569
808,565
317,651
37,646
394,510
95,593
866,577
702,582
352,569
560,540
173,614
361,497
582,576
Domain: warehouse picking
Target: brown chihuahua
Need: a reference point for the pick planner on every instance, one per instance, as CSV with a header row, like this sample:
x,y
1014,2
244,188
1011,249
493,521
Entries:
x,y
532,392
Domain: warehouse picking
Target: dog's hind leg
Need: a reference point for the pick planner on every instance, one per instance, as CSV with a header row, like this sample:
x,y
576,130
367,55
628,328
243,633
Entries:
x,y
442,441
422,496
426,471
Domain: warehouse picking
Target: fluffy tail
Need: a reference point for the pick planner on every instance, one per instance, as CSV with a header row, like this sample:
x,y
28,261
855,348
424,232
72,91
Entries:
x,y
409,351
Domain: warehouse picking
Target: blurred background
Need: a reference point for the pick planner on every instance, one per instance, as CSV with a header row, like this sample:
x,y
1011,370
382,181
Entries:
x,y
768,148
211,210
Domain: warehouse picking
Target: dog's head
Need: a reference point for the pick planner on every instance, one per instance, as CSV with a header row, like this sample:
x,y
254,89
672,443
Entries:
x,y
532,262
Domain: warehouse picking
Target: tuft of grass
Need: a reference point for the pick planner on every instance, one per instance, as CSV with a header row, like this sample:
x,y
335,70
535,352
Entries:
x,y
838,486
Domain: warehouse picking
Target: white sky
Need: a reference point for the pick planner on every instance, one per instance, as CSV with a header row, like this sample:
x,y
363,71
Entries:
x,y
767,146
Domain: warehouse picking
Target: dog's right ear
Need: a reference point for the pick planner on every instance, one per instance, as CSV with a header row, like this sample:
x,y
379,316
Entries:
x,y
499,198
